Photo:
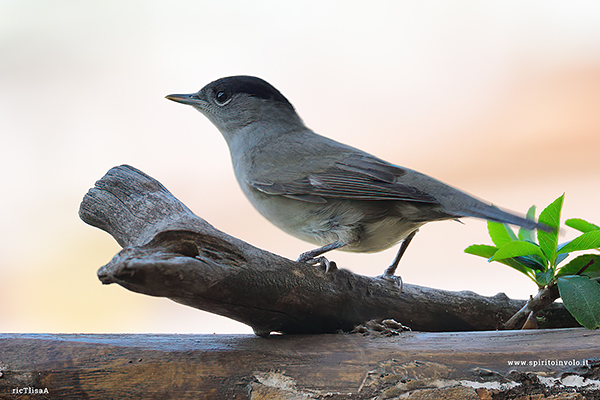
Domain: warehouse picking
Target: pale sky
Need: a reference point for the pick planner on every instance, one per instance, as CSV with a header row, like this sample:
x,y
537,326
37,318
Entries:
x,y
498,98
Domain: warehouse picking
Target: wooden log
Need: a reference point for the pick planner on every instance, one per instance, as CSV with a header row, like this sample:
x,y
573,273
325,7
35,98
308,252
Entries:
x,y
171,252
330,366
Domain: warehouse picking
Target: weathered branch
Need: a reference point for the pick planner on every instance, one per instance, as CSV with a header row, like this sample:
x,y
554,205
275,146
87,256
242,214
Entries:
x,y
326,367
170,252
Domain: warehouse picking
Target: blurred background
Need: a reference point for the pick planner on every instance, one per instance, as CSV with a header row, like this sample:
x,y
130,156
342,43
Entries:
x,y
498,98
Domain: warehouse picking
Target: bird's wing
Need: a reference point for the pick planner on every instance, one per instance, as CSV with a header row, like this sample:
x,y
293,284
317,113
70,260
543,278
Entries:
x,y
358,177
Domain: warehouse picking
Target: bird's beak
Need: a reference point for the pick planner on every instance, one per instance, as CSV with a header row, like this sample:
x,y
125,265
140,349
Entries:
x,y
189,99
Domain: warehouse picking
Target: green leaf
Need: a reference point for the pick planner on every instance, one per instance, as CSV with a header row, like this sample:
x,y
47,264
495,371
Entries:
x,y
533,262
487,251
585,241
581,297
500,233
544,278
527,234
560,258
481,250
575,265
549,240
516,249
513,263
581,225
560,254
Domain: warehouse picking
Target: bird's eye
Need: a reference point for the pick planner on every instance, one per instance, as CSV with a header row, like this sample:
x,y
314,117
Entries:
x,y
222,97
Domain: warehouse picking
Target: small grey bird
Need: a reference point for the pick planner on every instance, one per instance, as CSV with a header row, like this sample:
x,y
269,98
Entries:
x,y
320,190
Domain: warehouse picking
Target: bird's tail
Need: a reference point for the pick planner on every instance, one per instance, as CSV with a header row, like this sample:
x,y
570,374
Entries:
x,y
493,213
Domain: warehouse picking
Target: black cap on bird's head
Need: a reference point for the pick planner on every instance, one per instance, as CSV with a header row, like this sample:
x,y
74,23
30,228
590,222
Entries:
x,y
234,102
223,90
254,87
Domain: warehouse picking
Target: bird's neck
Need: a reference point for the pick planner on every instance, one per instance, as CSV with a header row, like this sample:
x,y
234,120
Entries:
x,y
252,144
262,134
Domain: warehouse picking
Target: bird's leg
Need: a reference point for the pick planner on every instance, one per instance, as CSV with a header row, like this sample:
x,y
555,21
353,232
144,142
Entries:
x,y
391,270
311,257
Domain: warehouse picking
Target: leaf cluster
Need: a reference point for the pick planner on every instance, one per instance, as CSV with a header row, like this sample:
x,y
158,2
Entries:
x,y
541,258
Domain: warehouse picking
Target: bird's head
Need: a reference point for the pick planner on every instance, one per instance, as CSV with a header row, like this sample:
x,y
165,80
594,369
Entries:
x,y
237,102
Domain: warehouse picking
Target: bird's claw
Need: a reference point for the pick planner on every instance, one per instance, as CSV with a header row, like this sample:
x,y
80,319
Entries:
x,y
322,262
392,278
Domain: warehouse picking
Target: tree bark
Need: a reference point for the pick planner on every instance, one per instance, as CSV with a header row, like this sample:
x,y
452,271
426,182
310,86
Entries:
x,y
327,367
170,252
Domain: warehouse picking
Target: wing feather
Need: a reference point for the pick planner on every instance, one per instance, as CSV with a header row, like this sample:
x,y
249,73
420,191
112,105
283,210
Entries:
x,y
356,178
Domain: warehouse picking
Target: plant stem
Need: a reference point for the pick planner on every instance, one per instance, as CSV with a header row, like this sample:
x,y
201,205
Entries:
x,y
586,266
543,299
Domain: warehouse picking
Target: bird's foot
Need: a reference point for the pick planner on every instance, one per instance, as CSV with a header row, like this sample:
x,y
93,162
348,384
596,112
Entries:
x,y
306,258
392,278
322,262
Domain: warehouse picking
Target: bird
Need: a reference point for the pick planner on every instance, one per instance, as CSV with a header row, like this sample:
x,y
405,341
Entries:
x,y
322,191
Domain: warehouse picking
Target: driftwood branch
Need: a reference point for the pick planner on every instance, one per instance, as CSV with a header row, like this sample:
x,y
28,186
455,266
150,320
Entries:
x,y
170,252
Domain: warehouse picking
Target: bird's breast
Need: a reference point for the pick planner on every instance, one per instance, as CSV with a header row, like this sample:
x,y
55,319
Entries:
x,y
364,226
